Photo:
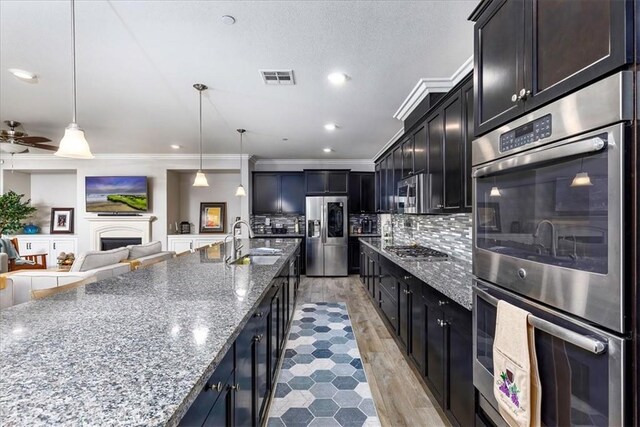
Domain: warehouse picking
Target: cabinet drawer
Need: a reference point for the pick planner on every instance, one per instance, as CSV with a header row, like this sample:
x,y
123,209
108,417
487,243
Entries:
x,y
389,284
458,317
389,307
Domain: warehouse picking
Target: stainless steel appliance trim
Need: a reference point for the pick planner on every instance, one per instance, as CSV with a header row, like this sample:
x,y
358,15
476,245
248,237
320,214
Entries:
x,y
600,104
590,344
616,354
599,298
557,151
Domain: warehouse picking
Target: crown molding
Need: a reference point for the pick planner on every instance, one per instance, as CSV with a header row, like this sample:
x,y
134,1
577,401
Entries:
x,y
313,161
134,156
431,85
389,143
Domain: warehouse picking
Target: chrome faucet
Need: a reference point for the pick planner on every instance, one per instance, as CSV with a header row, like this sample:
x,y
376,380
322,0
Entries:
x,y
554,243
235,249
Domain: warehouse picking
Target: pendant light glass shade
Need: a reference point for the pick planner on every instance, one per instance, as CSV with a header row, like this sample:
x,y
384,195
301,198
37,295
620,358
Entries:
x,y
201,179
581,179
73,144
240,191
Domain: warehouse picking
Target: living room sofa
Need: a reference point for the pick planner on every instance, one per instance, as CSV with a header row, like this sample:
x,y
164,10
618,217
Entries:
x,y
98,264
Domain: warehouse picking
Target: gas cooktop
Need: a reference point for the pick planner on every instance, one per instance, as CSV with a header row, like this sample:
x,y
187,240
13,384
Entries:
x,y
417,252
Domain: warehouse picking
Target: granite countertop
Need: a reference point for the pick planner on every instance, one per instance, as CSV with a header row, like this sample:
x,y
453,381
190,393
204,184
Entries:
x,y
452,277
129,350
364,235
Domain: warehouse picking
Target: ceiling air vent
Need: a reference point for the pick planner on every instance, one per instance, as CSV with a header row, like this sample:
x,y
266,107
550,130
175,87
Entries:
x,y
277,77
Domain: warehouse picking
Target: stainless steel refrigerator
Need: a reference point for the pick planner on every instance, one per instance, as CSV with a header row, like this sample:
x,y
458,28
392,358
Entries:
x,y
327,236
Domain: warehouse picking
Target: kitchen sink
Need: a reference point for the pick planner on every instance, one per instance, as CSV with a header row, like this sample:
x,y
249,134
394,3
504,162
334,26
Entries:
x,y
256,260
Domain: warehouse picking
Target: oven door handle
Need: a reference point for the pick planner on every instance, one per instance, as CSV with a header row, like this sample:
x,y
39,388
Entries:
x,y
559,151
586,343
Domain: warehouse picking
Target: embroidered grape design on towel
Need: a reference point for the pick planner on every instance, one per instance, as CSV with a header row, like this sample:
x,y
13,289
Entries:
x,y
508,387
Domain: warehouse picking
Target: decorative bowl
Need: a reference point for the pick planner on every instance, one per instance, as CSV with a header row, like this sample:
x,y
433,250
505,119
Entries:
x,y
31,229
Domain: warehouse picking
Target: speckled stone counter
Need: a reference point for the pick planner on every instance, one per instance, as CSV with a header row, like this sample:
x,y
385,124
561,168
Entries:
x,y
130,350
452,277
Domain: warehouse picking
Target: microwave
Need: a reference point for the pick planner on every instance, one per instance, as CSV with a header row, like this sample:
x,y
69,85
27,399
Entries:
x,y
412,196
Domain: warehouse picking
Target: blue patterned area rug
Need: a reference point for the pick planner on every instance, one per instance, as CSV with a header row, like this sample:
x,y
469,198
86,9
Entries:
x,y
322,381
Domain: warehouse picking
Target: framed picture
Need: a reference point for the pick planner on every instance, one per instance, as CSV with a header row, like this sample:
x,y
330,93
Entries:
x,y
213,217
488,217
61,221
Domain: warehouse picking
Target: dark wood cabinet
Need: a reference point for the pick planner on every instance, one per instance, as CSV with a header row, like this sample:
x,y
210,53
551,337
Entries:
x,y
407,156
278,193
420,150
435,133
468,132
452,117
361,192
528,53
354,256
435,332
378,187
321,182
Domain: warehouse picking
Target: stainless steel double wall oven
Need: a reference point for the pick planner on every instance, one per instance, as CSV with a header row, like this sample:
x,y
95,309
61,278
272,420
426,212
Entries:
x,y
549,236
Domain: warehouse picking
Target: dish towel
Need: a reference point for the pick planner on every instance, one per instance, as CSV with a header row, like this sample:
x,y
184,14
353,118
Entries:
x,y
515,367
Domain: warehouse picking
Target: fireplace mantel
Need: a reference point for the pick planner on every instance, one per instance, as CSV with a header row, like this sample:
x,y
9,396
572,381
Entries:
x,y
118,226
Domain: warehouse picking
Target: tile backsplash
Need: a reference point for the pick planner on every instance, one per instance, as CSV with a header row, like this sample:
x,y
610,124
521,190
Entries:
x,y
286,221
448,233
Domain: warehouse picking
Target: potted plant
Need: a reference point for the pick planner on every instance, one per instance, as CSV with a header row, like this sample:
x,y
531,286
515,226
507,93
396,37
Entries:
x,y
13,212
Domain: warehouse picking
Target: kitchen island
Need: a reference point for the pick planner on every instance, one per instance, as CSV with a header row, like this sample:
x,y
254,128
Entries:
x,y
137,349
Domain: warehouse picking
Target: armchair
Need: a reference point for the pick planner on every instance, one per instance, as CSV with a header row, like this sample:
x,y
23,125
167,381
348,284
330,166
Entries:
x,y
39,260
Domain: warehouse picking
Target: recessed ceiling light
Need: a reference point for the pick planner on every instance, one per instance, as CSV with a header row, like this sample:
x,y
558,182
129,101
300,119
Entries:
x,y
285,139
22,74
330,126
337,78
228,19
176,146
327,150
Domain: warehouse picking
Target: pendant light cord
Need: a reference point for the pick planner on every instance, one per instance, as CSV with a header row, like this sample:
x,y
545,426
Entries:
x,y
200,130
73,43
241,157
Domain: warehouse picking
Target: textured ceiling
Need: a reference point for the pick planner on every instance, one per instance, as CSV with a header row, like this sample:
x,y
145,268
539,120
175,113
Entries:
x,y
137,61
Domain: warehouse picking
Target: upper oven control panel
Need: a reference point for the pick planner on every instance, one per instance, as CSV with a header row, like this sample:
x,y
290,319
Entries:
x,y
526,134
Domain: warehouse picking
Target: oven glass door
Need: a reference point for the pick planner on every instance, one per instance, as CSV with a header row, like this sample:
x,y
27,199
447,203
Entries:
x,y
579,387
553,213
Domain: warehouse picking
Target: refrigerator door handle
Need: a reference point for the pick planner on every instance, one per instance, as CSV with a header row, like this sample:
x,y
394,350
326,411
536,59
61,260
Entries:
x,y
324,221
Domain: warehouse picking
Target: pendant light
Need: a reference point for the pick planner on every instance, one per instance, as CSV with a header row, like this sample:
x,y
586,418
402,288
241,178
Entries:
x,y
581,179
495,192
240,192
73,144
201,179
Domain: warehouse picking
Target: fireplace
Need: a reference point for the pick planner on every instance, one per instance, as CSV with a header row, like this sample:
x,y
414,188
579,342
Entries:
x,y
108,243
118,228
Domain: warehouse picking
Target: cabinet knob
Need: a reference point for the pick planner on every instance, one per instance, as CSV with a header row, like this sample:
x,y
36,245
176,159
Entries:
x,y
514,97
524,94
259,314
440,206
441,323
234,387
406,291
214,387
407,277
441,303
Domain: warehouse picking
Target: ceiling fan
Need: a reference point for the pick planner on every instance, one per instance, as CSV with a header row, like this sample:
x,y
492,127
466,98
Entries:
x,y
13,141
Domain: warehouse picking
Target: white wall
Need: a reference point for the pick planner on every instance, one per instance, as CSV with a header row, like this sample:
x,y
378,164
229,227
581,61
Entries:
x,y
222,188
16,181
173,201
50,190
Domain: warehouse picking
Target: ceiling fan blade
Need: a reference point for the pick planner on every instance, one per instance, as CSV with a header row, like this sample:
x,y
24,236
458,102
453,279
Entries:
x,y
46,147
34,139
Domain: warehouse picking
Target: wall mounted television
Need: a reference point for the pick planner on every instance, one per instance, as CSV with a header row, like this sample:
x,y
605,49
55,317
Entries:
x,y
112,194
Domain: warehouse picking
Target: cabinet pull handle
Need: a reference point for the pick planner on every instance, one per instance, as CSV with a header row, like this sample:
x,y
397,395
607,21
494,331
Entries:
x,y
524,94
406,291
234,387
407,277
514,97
214,387
259,314
54,246
258,338
441,323
441,303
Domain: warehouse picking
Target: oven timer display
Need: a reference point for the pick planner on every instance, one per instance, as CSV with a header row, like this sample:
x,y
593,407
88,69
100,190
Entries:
x,y
526,134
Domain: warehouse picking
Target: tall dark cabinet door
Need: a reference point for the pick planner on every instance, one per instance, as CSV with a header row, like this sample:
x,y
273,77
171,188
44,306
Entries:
x,y
570,43
453,154
467,102
337,182
434,372
391,184
262,359
435,133
221,414
355,182
407,157
292,193
316,182
378,184
499,56
460,378
245,361
420,150
418,335
266,193
367,190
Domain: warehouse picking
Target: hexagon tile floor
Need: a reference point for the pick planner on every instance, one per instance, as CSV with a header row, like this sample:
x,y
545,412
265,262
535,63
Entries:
x,y
322,382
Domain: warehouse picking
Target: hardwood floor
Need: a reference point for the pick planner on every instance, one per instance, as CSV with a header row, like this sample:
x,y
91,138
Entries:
x,y
400,398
